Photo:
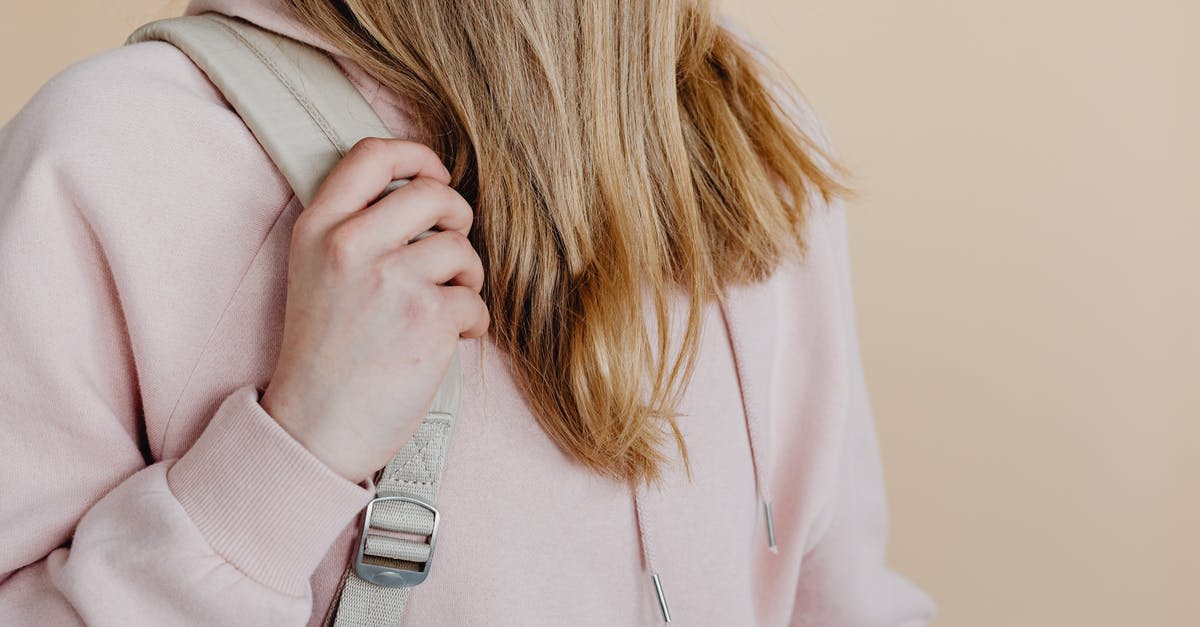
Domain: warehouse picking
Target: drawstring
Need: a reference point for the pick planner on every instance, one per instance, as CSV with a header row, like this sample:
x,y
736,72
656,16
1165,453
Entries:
x,y
753,434
648,551
764,493
752,428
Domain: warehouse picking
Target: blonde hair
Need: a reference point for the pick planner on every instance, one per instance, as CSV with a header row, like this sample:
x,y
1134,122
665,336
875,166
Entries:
x,y
612,151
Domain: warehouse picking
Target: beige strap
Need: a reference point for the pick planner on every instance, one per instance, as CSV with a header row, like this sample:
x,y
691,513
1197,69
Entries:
x,y
293,97
416,472
307,114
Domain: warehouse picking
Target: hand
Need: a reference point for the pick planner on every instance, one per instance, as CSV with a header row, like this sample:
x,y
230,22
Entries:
x,y
372,317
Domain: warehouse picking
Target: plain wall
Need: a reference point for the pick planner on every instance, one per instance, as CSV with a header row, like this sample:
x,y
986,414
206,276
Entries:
x,y
1025,270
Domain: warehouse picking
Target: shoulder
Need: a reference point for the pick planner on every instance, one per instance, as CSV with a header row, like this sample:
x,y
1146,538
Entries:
x,y
785,91
826,217
119,86
127,176
142,119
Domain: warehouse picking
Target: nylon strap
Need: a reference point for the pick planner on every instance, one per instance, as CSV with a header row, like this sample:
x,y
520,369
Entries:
x,y
307,114
415,471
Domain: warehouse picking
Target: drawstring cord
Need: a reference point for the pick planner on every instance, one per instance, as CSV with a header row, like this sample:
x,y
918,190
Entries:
x,y
753,431
648,552
754,435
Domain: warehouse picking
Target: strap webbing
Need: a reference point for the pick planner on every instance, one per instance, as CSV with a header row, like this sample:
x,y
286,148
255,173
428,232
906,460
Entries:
x,y
294,98
307,114
415,471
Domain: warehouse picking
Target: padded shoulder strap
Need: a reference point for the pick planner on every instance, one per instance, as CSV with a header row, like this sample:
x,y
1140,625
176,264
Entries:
x,y
293,97
307,114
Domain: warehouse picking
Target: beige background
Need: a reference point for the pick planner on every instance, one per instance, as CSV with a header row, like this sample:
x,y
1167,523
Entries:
x,y
1025,268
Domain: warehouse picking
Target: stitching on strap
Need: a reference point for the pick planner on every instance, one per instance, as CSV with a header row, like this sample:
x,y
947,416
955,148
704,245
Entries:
x,y
312,111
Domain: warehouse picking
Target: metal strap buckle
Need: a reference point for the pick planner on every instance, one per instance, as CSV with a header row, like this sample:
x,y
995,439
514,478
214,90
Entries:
x,y
388,576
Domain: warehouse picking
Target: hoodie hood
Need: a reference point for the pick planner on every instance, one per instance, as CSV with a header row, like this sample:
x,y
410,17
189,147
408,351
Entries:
x,y
272,15
393,110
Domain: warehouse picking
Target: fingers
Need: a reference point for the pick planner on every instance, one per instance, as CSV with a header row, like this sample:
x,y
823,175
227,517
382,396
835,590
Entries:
x,y
468,309
367,169
407,212
419,228
443,257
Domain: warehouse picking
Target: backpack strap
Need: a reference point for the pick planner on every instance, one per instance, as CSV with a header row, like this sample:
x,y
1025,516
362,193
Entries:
x,y
306,114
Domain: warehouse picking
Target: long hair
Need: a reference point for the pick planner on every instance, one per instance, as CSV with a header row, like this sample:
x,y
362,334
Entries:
x,y
613,152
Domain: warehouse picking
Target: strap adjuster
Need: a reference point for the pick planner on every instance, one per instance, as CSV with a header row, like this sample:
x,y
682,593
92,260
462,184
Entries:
x,y
395,576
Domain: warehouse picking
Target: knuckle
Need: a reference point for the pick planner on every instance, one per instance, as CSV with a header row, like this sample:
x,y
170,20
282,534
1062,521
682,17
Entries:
x,y
473,259
425,152
304,227
485,313
423,186
479,319
341,247
465,208
369,146
458,241
454,201
393,269
454,247
424,307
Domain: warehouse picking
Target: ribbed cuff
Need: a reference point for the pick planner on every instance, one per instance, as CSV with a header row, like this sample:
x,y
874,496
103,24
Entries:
x,y
263,501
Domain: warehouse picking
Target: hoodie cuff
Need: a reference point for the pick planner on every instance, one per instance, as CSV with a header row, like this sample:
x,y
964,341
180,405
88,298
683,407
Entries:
x,y
265,503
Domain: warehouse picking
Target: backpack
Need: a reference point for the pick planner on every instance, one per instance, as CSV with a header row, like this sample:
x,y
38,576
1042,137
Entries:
x,y
307,114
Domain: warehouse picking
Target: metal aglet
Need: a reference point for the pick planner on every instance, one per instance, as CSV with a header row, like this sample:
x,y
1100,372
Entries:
x,y
662,600
770,528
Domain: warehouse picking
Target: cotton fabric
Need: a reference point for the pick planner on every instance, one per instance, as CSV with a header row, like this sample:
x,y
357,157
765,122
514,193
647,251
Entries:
x,y
143,253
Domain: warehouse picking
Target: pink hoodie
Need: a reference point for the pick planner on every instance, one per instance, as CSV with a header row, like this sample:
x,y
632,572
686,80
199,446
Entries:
x,y
143,253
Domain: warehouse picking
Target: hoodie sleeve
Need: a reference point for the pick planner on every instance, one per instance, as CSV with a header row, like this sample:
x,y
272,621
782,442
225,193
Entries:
x,y
845,580
100,190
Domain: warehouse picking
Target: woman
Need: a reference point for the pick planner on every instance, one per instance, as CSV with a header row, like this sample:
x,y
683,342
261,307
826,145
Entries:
x,y
201,376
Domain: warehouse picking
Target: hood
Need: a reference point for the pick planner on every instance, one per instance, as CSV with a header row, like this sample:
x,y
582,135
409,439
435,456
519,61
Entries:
x,y
392,109
269,14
